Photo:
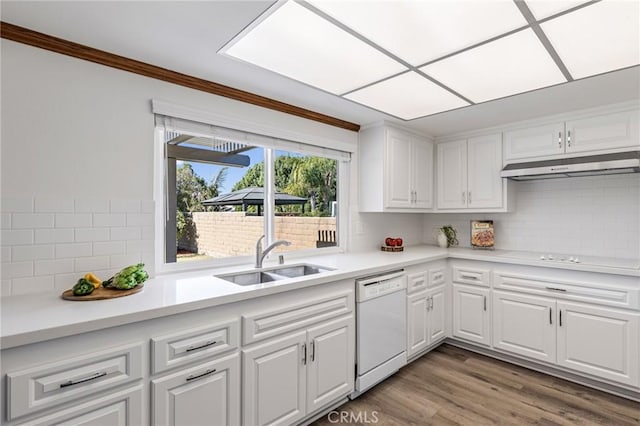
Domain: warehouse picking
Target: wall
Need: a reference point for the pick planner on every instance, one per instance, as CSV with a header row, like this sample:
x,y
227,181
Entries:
x,y
224,234
73,130
589,216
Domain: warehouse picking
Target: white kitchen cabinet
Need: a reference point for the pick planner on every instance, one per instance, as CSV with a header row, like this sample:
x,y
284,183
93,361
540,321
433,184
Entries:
x,y
525,325
599,341
468,174
425,319
120,408
594,134
395,171
471,316
208,393
289,377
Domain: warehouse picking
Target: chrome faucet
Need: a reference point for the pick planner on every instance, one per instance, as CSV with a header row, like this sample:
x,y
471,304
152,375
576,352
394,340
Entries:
x,y
261,254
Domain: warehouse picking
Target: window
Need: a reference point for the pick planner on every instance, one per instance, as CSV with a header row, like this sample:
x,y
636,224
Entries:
x,y
223,189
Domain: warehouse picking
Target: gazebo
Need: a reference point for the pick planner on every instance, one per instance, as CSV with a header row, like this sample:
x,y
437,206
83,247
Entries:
x,y
253,196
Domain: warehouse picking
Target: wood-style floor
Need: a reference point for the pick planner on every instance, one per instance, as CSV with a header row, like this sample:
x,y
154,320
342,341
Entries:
x,y
453,386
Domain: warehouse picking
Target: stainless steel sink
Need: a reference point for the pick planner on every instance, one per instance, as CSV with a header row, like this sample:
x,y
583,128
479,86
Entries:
x,y
273,274
251,278
302,270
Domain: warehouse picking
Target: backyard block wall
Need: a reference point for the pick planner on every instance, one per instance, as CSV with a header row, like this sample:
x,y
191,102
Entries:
x,y
225,234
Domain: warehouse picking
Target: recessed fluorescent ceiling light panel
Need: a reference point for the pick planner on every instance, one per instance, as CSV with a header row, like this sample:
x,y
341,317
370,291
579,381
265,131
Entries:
x,y
299,44
545,8
374,51
513,64
407,96
598,38
420,31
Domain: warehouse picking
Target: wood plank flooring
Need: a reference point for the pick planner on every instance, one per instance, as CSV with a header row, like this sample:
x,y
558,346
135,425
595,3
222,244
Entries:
x,y
450,386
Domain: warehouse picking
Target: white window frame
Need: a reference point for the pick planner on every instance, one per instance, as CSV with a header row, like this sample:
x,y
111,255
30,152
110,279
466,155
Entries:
x,y
160,180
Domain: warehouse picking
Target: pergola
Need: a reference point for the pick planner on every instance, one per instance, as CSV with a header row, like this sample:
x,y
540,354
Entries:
x,y
253,196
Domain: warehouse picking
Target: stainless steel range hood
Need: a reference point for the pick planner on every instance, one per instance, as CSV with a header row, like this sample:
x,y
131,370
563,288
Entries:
x,y
604,164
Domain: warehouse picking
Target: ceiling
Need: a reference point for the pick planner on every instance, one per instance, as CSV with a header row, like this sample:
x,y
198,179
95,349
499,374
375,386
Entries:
x,y
186,36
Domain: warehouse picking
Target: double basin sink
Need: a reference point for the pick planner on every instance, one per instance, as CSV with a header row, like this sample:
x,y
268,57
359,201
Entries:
x,y
260,276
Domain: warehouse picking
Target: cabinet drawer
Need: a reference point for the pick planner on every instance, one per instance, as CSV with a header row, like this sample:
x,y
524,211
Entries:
x,y
471,276
436,277
609,295
261,325
40,387
176,349
416,282
120,408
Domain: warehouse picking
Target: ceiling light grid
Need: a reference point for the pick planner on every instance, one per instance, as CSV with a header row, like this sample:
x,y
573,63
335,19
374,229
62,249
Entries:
x,y
366,51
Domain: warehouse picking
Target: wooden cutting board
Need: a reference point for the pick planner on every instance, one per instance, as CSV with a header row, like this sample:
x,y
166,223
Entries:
x,y
102,293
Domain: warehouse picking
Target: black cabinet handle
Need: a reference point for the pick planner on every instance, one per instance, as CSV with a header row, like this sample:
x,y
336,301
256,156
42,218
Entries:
x,y
560,317
199,376
86,379
195,348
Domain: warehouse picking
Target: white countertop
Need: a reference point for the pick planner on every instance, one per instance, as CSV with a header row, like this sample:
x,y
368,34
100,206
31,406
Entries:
x,y
33,318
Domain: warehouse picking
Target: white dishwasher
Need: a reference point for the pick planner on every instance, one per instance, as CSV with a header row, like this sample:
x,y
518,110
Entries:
x,y
381,321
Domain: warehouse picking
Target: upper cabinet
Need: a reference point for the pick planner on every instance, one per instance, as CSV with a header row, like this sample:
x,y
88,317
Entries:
x,y
468,174
396,171
598,134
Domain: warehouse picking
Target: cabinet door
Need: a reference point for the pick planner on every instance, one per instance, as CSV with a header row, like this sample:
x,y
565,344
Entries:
x,y
398,177
423,174
525,325
484,166
208,393
534,142
330,363
471,314
417,331
452,174
436,318
275,381
599,341
611,131
120,408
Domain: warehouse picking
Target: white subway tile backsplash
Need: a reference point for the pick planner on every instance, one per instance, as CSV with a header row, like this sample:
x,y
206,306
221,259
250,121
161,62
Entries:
x,y
17,204
147,206
33,252
17,270
43,236
47,243
52,267
139,219
32,220
133,233
92,205
5,254
125,206
75,220
32,285
53,205
108,219
107,248
16,237
90,264
74,250
5,220
92,234
122,260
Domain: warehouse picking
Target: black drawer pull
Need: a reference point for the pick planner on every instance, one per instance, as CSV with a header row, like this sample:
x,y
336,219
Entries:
x,y
199,376
86,379
556,289
195,348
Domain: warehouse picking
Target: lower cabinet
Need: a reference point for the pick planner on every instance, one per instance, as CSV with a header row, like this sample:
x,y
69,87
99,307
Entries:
x,y
525,325
471,316
286,378
208,393
121,408
425,319
600,341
